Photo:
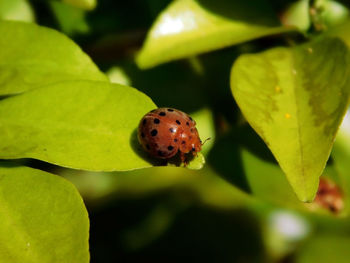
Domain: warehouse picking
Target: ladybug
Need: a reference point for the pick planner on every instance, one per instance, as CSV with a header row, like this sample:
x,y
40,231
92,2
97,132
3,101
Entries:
x,y
164,132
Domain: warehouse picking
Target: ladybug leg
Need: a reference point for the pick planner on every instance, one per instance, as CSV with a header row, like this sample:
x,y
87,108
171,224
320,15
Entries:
x,y
194,153
164,162
183,158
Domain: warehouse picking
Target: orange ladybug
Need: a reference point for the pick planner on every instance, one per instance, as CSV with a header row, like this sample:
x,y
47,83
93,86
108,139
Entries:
x,y
164,132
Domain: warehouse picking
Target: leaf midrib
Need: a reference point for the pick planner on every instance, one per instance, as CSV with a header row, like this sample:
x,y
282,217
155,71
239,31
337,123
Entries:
x,y
297,112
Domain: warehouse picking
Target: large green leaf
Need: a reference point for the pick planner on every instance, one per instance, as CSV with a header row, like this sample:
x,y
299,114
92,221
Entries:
x,y
188,27
295,99
42,218
32,56
82,124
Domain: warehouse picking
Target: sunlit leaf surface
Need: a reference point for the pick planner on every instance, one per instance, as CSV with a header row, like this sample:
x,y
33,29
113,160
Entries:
x,y
84,125
295,99
18,10
187,27
43,218
32,56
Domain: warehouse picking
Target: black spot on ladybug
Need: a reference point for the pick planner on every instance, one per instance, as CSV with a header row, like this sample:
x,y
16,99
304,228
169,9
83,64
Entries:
x,y
142,135
187,123
178,122
175,140
162,113
183,142
144,122
160,153
170,110
154,132
172,130
148,147
193,149
156,121
170,147
190,118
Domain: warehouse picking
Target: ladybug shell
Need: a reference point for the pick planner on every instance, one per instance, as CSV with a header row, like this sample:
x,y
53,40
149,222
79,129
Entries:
x,y
165,131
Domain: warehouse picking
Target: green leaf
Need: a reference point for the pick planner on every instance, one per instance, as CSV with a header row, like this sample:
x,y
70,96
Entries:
x,y
71,19
204,185
341,157
32,56
197,162
324,249
187,27
82,124
254,169
19,10
118,75
297,14
83,4
342,31
267,182
42,218
206,128
333,13
295,99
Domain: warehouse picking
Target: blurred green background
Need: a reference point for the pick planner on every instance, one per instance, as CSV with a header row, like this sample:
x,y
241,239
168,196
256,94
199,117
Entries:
x,y
239,207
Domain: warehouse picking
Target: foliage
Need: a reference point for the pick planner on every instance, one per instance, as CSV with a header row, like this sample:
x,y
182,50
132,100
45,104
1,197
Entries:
x,y
43,218
267,82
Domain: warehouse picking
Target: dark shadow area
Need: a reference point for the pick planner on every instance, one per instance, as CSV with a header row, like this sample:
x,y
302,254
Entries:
x,y
250,140
217,67
2,97
10,163
136,146
171,85
32,163
258,12
225,156
196,234
113,33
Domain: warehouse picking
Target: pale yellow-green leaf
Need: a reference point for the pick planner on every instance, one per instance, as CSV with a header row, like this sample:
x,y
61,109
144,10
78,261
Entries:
x,y
42,218
81,124
32,56
297,14
295,99
188,27
18,10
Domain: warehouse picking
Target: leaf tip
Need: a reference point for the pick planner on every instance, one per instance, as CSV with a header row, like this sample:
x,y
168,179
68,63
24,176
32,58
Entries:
x,y
306,195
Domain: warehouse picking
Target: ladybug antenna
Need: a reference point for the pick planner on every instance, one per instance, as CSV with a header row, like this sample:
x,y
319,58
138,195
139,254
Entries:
x,y
207,139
